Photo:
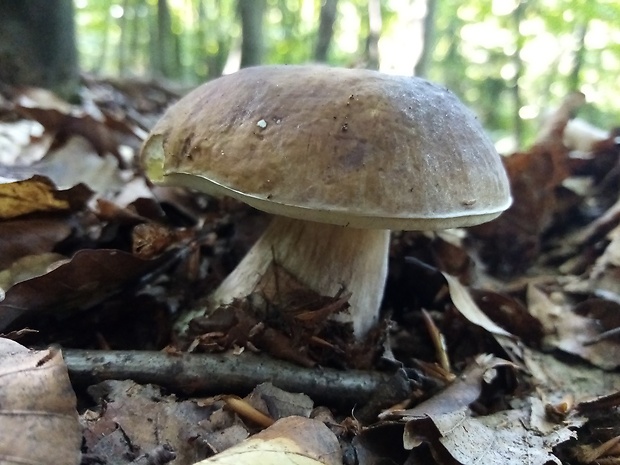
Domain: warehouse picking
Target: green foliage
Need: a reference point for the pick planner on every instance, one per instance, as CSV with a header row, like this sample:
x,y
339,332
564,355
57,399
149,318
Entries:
x,y
510,60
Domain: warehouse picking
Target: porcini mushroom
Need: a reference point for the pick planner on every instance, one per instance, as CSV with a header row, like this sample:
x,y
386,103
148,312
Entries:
x,y
340,157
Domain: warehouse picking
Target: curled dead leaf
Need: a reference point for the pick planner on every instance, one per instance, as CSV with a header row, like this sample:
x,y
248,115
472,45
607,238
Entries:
x,y
464,303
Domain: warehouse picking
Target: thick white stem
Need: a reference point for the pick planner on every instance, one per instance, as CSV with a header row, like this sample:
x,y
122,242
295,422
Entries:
x,y
322,256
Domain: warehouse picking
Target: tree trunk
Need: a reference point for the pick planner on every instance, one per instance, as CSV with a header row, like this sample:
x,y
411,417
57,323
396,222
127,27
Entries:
x,y
123,46
252,13
374,33
574,78
517,16
326,29
422,66
162,43
37,45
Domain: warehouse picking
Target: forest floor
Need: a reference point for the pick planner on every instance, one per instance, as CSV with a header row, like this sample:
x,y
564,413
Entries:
x,y
499,343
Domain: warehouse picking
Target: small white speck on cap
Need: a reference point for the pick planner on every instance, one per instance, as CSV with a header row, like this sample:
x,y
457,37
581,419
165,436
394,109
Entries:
x,y
262,124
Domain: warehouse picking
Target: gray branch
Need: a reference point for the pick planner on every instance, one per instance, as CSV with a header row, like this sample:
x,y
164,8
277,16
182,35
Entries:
x,y
239,374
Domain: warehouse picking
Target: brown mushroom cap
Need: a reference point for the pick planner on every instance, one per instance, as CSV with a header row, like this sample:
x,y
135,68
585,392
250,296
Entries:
x,y
342,146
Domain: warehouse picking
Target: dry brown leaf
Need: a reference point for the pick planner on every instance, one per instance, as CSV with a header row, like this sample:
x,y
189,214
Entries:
x,y
575,335
540,305
65,120
28,267
464,303
503,438
578,330
31,236
37,194
462,392
511,314
511,243
87,279
556,379
136,419
290,441
38,421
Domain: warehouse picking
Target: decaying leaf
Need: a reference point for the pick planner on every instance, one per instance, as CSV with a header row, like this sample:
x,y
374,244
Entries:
x,y
469,309
452,430
32,236
461,393
37,194
579,330
38,418
556,379
137,419
85,280
503,438
28,267
292,440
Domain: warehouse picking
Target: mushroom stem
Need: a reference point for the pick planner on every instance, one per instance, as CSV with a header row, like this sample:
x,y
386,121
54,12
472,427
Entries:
x,y
325,258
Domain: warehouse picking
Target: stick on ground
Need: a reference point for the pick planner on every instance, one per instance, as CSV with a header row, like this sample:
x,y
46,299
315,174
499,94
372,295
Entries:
x,y
239,374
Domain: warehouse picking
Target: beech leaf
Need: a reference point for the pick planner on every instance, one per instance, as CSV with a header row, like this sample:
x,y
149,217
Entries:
x,y
465,304
38,419
289,441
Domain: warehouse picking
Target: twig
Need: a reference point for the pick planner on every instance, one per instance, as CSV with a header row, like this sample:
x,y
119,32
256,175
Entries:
x,y
232,374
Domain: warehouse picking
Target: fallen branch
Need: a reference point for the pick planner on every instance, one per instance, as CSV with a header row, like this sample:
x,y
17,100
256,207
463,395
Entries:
x,y
239,374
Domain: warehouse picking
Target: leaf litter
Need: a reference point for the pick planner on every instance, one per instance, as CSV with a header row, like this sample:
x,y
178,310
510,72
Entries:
x,y
506,333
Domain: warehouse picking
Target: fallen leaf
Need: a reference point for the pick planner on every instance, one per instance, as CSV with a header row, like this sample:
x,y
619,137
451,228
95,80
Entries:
x,y
556,379
578,330
462,392
87,279
38,421
28,267
37,194
31,236
291,440
72,163
145,419
465,304
503,438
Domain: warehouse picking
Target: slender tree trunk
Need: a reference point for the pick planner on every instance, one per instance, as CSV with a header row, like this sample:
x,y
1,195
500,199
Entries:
x,y
252,14
103,51
162,45
574,78
123,46
37,45
135,49
374,33
329,9
517,16
422,66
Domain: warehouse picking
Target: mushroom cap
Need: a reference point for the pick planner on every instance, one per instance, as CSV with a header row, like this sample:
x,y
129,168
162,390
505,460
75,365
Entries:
x,y
344,146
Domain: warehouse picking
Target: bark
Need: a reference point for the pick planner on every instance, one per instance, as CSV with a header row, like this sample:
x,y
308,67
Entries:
x,y
252,14
37,45
422,66
327,19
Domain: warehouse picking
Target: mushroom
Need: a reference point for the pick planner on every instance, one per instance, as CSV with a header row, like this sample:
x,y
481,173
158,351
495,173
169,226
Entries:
x,y
340,157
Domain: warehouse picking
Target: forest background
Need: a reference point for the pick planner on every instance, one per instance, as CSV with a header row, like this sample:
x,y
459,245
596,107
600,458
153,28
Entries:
x,y
509,60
